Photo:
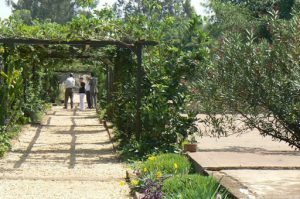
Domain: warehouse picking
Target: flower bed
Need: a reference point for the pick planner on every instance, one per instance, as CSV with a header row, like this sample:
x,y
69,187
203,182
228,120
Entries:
x,y
169,176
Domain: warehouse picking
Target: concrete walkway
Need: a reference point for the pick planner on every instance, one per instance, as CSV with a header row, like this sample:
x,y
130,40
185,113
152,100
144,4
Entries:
x,y
68,156
251,166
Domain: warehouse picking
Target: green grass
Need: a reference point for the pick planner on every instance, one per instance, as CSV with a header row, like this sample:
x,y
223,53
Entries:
x,y
192,186
168,163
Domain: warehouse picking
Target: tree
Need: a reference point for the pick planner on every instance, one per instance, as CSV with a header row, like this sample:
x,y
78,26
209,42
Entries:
x,y
260,8
60,11
232,15
176,8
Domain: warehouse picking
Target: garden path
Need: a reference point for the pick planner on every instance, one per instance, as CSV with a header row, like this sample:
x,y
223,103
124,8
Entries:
x,y
68,156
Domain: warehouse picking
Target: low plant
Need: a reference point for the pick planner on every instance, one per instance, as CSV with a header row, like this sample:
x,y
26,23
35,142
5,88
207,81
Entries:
x,y
153,189
193,186
168,164
4,143
167,176
150,174
6,134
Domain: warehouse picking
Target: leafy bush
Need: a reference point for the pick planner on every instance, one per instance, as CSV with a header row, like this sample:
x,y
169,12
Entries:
x,y
256,80
192,187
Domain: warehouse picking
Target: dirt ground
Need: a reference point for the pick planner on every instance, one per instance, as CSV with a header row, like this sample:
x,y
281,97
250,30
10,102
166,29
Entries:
x,y
68,156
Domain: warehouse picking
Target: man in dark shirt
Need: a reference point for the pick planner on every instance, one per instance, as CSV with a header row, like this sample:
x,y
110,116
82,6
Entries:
x,y
93,90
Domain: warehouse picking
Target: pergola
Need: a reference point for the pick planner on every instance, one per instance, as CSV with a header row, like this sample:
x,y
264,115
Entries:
x,y
136,47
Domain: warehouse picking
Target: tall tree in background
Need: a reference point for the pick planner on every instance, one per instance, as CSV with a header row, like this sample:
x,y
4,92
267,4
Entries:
x,y
176,8
233,15
178,14
60,11
261,7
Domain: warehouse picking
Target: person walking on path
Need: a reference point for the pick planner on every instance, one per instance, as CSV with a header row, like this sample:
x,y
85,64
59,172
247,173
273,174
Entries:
x,y
88,93
81,94
93,90
70,83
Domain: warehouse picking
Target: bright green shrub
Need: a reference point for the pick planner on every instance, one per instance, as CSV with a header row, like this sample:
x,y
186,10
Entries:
x,y
192,187
4,144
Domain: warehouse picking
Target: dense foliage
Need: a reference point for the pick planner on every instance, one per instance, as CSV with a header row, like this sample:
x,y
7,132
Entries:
x,y
165,68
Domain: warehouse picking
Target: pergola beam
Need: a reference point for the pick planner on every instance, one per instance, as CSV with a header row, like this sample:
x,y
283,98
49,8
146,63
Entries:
x,y
92,43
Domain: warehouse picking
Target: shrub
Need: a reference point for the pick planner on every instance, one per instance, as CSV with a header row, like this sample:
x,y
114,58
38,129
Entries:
x,y
256,81
4,144
192,187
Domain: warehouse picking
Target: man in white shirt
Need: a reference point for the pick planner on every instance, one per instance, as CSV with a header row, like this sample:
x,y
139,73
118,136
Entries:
x,y
70,84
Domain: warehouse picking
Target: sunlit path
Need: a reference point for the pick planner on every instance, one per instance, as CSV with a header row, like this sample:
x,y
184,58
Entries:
x,y
68,156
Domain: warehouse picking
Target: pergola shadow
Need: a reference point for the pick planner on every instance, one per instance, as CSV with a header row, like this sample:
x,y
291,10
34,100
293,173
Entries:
x,y
240,149
75,155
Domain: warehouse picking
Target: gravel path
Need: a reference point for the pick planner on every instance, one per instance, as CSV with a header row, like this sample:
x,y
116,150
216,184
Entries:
x,y
68,156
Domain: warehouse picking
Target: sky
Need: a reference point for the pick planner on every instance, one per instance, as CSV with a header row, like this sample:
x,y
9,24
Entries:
x,y
6,11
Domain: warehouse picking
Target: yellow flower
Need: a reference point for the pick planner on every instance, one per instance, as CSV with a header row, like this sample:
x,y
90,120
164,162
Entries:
x,y
151,158
122,183
158,174
175,166
135,182
145,169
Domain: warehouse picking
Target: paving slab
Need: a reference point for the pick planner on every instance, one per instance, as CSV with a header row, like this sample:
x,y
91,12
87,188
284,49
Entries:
x,y
237,160
273,184
250,165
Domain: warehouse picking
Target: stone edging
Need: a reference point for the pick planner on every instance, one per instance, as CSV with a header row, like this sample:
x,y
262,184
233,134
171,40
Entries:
x,y
233,186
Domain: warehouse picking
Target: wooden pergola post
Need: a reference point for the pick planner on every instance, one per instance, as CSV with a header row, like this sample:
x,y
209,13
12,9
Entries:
x,y
5,82
138,118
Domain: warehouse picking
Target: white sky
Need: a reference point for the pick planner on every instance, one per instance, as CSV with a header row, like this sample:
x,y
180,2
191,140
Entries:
x,y
6,11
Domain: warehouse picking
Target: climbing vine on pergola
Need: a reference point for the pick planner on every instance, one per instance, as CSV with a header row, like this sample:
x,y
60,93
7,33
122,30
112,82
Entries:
x,y
135,47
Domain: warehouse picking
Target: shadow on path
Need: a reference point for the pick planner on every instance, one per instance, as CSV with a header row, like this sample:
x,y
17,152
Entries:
x,y
29,148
